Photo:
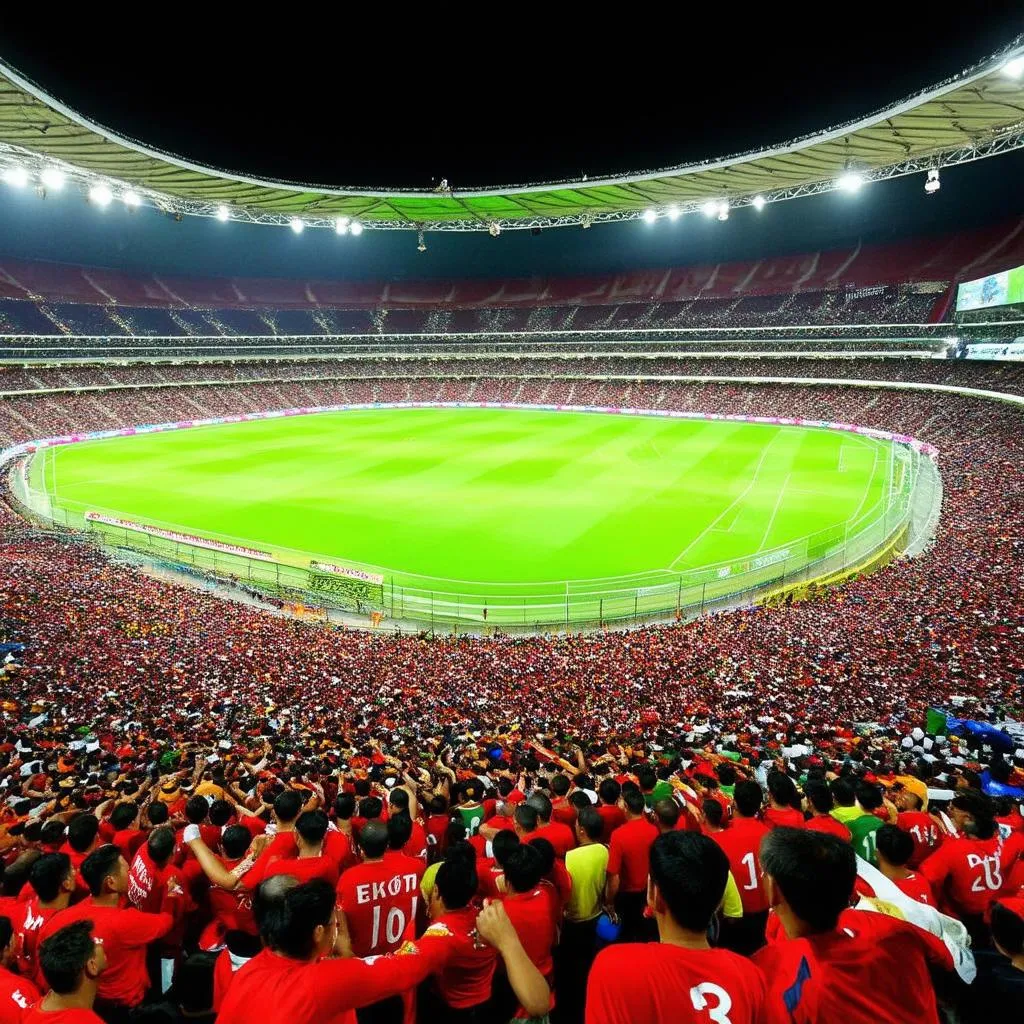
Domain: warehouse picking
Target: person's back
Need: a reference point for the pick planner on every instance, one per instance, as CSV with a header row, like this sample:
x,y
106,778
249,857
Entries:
x,y
528,905
835,965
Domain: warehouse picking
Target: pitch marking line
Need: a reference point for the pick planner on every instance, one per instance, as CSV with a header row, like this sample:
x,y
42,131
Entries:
x,y
728,508
775,512
867,489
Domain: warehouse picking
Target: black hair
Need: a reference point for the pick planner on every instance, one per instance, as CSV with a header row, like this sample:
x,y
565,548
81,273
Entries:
x,y
438,804
373,838
221,812
124,814
783,790
371,807
748,798
197,809
547,854
523,867
560,785
161,844
82,831
399,830
1007,929
304,907
869,795
235,840
667,812
399,798
344,806
63,956
981,808
100,864
690,871
590,822
157,813
503,842
287,805
6,932
726,774
814,871
312,826
192,989
542,805
456,879
714,813
526,817
634,801
647,777
579,800
894,844
609,791
47,875
819,796
53,833
842,792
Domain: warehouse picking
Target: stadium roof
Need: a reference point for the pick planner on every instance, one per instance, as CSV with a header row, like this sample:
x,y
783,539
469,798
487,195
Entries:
x,y
975,114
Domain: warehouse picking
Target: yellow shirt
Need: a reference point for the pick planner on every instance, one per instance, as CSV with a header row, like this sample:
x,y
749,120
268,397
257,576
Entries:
x,y
428,879
732,905
587,866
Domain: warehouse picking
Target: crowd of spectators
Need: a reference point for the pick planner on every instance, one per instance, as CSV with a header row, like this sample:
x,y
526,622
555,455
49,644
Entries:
x,y
124,691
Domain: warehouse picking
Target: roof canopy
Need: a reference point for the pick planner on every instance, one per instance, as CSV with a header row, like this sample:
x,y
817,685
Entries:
x,y
975,114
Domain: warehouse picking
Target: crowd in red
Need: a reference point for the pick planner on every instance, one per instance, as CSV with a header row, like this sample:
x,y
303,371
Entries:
x,y
120,679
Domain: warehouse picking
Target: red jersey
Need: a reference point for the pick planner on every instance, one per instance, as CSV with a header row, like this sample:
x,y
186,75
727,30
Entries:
x,y
380,900
436,829
128,841
917,888
784,817
487,872
232,909
305,869
741,843
872,969
534,921
466,978
563,812
125,934
629,855
27,926
499,822
614,817
826,823
39,1016
275,990
417,844
558,835
968,874
927,835
16,996
657,983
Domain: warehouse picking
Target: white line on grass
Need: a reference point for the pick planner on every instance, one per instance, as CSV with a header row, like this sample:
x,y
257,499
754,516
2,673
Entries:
x,y
775,512
867,489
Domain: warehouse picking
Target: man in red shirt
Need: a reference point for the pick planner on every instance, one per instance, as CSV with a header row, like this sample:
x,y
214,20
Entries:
x,y
128,837
680,978
836,964
416,844
608,794
894,848
397,858
53,880
741,842
783,802
560,836
529,907
378,902
73,961
490,869
911,798
231,909
124,933
820,803
17,994
628,864
311,860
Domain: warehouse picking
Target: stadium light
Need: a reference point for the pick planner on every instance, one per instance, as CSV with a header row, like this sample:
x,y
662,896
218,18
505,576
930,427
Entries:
x,y
674,213
52,178
223,214
759,203
1014,68
296,225
723,210
100,194
650,216
851,181
131,199
710,208
932,183
356,228
341,225
16,177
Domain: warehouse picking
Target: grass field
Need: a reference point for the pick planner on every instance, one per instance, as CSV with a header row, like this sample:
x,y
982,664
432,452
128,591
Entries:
x,y
485,500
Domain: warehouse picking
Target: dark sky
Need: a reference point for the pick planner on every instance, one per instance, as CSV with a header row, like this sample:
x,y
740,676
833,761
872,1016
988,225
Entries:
x,y
490,95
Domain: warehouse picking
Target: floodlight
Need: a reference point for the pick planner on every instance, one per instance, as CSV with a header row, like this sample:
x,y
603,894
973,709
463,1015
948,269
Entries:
x,y
710,208
674,213
356,228
341,225
52,178
1014,68
650,216
16,176
296,225
100,194
723,210
758,202
932,183
850,181
223,213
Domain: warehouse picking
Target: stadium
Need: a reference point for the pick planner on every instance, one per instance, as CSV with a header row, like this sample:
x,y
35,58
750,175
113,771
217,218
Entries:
x,y
622,557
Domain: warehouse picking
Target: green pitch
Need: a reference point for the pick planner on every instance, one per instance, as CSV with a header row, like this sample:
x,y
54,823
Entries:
x,y
496,505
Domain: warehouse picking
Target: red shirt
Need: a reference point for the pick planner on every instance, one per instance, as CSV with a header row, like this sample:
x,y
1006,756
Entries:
x,y
232,909
614,817
436,828
927,836
27,926
305,869
872,969
826,823
272,989
563,812
128,841
380,900
17,994
629,855
651,983
531,916
786,817
125,934
466,978
499,822
39,1016
741,843
417,845
968,874
916,888
558,835
487,872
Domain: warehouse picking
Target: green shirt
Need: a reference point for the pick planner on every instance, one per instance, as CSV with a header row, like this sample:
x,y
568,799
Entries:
x,y
662,790
586,866
471,818
862,835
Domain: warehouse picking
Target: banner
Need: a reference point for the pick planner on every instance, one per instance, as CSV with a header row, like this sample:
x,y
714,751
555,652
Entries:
x,y
180,538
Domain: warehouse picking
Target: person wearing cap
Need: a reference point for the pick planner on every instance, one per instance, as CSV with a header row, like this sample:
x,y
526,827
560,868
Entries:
x,y
911,798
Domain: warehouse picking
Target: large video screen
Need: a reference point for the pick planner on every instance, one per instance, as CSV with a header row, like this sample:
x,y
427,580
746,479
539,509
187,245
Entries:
x,y
995,290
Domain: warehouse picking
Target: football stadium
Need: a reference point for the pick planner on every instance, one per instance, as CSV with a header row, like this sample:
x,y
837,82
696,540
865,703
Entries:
x,y
591,600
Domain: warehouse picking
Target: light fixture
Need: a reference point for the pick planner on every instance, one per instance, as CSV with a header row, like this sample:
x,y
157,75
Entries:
x,y
356,228
16,176
100,194
723,210
223,214
1014,68
674,213
494,229
52,178
131,199
710,208
341,225
650,216
758,202
296,225
850,181
932,183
